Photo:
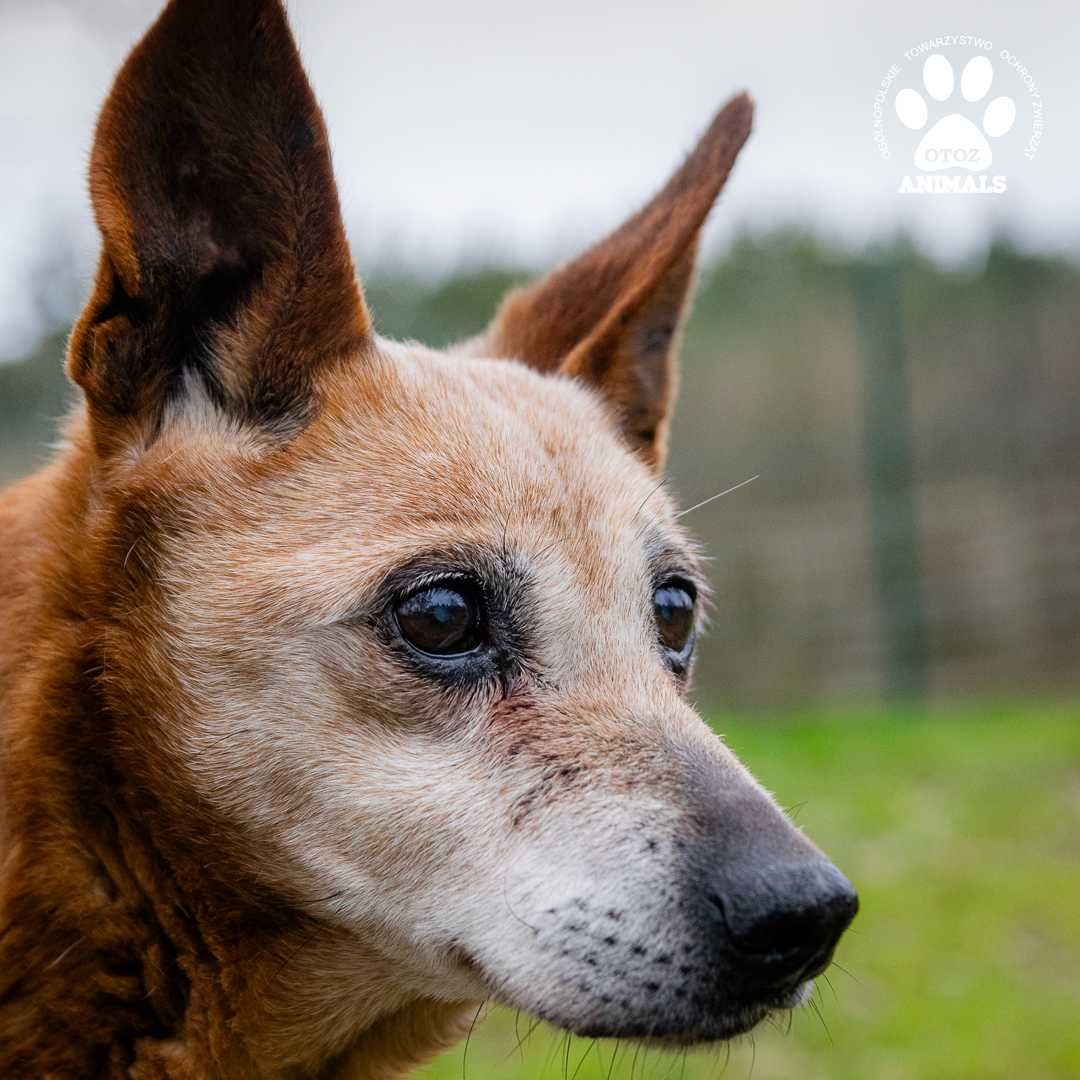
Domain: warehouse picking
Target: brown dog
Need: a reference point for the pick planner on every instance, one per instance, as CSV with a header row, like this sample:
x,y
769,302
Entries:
x,y
341,681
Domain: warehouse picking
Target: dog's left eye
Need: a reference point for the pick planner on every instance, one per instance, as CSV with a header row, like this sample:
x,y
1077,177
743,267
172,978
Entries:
x,y
673,603
443,620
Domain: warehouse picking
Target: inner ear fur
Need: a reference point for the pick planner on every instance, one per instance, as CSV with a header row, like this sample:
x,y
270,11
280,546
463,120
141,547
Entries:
x,y
611,316
223,250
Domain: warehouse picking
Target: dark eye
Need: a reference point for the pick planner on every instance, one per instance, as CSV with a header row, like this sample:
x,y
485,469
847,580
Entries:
x,y
443,620
674,606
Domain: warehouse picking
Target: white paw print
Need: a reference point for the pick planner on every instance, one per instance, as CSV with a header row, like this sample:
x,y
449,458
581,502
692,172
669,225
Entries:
x,y
955,142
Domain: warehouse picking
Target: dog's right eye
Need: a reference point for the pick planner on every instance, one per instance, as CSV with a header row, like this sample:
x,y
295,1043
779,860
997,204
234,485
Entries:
x,y
442,620
673,606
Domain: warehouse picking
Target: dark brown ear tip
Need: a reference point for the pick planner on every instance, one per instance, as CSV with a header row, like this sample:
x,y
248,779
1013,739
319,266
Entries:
x,y
709,163
736,118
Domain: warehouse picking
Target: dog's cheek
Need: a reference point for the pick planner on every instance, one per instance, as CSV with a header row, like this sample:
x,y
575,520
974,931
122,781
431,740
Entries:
x,y
372,812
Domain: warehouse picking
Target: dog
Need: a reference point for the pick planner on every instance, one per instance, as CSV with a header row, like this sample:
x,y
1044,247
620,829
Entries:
x,y
342,681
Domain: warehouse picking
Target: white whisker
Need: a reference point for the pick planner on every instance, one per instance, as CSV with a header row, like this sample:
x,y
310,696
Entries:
x,y
718,495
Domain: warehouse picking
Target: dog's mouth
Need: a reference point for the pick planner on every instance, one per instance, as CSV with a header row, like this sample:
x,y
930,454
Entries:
x,y
716,1023
676,1019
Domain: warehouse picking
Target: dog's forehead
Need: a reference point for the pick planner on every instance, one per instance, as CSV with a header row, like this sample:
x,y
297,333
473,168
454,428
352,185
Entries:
x,y
413,453
478,442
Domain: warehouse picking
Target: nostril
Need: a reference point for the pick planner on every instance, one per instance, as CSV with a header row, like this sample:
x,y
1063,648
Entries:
x,y
781,932
792,921
768,931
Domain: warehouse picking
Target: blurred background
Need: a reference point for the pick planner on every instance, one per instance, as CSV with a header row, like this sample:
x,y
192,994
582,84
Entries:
x,y
897,627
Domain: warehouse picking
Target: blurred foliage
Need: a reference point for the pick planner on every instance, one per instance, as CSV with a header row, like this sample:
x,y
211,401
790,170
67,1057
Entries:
x,y
960,830
34,396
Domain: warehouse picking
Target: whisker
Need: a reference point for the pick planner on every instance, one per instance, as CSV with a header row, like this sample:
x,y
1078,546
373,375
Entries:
x,y
673,1064
588,1050
523,1039
472,1027
614,1058
817,1012
506,901
718,495
552,1054
641,505
849,974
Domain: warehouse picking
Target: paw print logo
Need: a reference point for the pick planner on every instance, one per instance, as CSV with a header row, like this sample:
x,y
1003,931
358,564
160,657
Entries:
x,y
955,141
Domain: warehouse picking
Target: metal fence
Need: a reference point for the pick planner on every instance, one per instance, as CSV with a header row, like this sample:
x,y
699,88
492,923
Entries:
x,y
801,614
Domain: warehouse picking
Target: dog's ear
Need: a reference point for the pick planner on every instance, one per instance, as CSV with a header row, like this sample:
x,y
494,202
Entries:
x,y
224,257
610,317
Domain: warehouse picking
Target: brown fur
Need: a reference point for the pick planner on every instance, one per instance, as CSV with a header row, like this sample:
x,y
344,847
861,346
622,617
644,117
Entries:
x,y
227,362
212,187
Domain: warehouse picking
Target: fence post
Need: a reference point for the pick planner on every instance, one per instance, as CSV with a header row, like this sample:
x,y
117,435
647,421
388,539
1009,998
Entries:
x,y
887,441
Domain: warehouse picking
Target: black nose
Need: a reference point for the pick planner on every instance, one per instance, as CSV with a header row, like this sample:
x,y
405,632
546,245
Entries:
x,y
783,920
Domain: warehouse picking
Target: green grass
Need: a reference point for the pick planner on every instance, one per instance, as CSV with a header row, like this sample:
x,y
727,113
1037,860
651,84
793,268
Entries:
x,y
962,832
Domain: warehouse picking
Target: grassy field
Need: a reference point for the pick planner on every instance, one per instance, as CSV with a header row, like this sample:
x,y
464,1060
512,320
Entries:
x,y
962,832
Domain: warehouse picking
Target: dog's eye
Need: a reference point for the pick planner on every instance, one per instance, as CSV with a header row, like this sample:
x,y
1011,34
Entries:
x,y
443,620
674,606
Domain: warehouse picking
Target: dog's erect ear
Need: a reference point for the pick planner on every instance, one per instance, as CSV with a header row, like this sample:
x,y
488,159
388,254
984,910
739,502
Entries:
x,y
224,255
610,317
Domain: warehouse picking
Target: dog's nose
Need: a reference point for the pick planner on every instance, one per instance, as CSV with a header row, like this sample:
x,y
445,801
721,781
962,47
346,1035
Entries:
x,y
783,920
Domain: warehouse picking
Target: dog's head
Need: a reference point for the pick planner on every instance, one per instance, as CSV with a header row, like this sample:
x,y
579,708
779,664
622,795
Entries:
x,y
410,631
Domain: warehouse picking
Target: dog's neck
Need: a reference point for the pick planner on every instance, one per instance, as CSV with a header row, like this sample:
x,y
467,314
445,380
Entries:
x,y
122,952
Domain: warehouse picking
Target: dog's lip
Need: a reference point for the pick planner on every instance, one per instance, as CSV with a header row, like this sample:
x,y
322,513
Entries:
x,y
728,1022
734,1019
719,1027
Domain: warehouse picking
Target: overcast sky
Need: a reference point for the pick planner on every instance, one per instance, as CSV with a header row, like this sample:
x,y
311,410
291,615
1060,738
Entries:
x,y
518,130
